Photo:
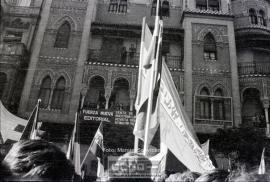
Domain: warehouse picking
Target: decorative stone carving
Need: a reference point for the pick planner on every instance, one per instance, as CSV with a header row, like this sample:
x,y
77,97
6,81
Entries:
x,y
67,18
219,32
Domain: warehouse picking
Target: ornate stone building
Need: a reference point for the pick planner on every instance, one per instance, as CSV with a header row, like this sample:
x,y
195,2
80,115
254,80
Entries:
x,y
64,50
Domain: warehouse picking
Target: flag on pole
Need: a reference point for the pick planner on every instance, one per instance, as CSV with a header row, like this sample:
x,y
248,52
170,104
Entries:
x,y
176,131
97,149
73,152
144,81
262,164
30,131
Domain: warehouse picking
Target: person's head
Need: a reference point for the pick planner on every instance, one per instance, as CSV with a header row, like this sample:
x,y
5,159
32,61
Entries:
x,y
240,176
38,160
187,176
214,176
131,167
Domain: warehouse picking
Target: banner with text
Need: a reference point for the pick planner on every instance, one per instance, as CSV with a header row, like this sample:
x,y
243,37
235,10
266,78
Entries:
x,y
116,117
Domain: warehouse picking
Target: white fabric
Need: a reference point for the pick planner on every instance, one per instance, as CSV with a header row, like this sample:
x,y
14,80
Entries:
x,y
8,122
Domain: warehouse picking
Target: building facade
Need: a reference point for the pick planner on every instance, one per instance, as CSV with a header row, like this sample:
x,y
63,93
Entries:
x,y
64,51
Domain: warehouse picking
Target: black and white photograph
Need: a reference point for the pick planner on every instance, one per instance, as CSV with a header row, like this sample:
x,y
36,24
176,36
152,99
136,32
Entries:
x,y
134,90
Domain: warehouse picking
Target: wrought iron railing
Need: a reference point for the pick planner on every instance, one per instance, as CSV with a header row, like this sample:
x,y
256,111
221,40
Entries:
x,y
253,68
131,58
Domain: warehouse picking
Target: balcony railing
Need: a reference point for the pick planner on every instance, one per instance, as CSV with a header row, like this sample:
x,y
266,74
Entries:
x,y
213,122
12,49
253,68
131,58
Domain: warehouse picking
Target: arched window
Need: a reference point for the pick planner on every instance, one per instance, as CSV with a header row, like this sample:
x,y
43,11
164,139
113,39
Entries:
x,y
58,94
165,8
261,18
63,35
122,6
45,92
95,97
205,104
3,81
219,107
253,16
113,6
154,7
119,99
210,51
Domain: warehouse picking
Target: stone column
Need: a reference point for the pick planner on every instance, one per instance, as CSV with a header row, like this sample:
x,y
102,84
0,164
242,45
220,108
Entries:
x,y
50,98
212,109
132,96
45,13
108,91
265,102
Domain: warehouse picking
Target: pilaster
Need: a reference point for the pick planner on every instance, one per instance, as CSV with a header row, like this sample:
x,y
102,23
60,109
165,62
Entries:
x,y
235,80
188,67
35,55
82,57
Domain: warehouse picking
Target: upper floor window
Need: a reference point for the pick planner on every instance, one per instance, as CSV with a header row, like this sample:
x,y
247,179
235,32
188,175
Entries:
x,y
213,5
165,10
113,6
45,92
63,35
201,4
253,16
261,18
122,6
118,6
210,51
154,7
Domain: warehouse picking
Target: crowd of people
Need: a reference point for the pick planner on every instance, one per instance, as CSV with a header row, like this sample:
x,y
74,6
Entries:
x,y
39,160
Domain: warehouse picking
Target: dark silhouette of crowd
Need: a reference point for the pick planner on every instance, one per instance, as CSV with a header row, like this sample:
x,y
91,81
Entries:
x,y
36,160
39,160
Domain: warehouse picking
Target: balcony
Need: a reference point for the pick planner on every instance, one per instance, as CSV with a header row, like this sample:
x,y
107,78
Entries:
x,y
12,49
254,68
131,58
21,7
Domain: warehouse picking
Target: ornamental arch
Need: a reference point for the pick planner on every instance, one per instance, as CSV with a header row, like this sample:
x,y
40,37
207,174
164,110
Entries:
x,y
95,96
120,96
252,110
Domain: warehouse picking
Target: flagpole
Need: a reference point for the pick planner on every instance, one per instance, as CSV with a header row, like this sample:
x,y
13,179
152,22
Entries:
x,y
153,72
33,131
136,139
